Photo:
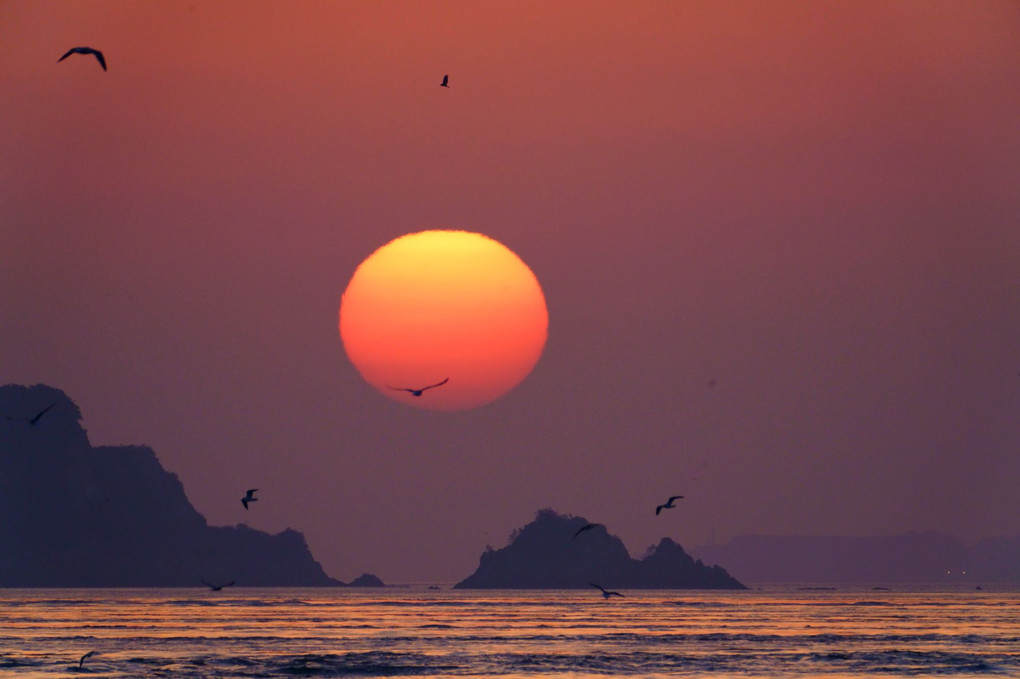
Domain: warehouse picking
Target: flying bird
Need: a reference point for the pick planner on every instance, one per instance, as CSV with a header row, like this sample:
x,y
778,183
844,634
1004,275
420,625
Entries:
x,y
85,50
587,526
42,412
419,392
217,588
605,592
87,655
669,504
249,497
446,81
32,420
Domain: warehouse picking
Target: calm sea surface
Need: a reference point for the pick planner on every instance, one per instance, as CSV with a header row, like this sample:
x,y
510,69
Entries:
x,y
418,631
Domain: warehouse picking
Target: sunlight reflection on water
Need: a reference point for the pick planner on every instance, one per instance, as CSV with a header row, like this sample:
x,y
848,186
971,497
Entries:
x,y
414,631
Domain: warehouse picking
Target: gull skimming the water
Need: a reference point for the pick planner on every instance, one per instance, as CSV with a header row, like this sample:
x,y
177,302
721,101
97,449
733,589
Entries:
x,y
217,588
587,526
419,392
446,82
605,592
249,497
669,504
85,50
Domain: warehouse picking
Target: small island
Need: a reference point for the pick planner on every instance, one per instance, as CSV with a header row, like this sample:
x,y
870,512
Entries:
x,y
366,580
78,515
552,552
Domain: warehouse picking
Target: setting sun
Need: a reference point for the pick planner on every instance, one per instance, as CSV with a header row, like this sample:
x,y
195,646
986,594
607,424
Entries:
x,y
444,304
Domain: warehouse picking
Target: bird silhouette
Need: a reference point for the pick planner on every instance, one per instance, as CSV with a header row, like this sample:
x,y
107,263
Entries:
x,y
42,412
669,504
446,82
587,526
605,592
419,392
217,588
87,655
85,50
249,497
35,419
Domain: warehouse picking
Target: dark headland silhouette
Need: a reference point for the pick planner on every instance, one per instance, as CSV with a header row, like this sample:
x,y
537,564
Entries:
x,y
77,515
545,555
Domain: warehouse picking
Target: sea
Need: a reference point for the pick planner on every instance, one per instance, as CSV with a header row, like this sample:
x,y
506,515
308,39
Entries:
x,y
424,630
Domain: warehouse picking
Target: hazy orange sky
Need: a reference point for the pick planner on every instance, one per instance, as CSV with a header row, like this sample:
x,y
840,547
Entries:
x,y
813,204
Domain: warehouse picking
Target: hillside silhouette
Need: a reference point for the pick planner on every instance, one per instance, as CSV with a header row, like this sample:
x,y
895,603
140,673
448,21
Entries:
x,y
545,554
77,515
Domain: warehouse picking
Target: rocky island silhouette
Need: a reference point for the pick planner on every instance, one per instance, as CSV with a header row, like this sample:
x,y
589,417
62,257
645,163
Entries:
x,y
78,515
553,552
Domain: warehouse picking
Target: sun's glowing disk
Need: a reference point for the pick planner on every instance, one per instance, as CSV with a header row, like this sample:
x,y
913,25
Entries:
x,y
439,304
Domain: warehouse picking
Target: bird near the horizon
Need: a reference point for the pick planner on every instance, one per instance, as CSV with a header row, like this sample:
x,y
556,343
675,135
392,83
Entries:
x,y
419,392
249,497
669,504
587,526
84,657
217,588
605,592
446,81
85,50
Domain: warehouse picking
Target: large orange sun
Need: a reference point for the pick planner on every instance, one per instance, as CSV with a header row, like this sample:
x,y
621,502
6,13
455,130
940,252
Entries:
x,y
440,305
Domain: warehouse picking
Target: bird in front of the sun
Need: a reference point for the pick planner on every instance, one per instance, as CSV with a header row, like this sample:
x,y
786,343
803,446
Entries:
x,y
85,50
217,588
446,81
249,497
605,592
587,526
419,392
85,657
668,504
34,420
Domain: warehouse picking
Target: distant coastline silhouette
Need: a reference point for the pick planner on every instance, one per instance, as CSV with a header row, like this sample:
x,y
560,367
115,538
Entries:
x,y
912,556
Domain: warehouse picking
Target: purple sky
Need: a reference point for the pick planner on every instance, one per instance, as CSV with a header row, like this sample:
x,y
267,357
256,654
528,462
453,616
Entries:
x,y
816,205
